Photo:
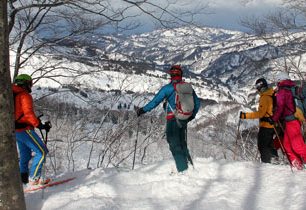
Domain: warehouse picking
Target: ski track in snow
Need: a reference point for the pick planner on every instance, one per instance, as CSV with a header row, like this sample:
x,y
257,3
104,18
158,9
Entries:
x,y
212,184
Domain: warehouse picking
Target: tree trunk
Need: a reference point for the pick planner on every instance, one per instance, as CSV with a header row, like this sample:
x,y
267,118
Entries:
x,y
11,193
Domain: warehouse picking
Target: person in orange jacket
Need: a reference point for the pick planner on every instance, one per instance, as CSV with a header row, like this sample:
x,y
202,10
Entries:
x,y
27,139
266,130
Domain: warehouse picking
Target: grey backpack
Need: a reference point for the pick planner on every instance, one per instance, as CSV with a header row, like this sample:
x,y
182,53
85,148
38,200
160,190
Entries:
x,y
184,101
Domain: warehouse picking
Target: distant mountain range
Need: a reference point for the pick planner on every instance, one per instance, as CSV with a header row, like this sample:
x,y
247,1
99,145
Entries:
x,y
221,64
104,77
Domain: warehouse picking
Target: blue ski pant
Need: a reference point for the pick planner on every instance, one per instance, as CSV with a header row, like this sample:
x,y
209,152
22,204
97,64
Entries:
x,y
176,138
28,141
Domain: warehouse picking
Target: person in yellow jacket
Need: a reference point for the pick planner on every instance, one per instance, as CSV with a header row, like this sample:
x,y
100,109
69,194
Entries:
x,y
266,130
299,115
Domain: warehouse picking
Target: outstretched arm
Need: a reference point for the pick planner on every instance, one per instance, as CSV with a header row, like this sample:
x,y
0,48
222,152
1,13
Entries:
x,y
264,103
158,98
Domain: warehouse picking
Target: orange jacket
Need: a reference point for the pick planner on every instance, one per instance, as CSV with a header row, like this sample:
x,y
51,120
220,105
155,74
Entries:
x,y
24,108
265,108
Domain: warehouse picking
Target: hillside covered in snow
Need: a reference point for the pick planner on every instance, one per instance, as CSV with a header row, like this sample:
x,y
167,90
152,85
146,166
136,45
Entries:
x,y
212,184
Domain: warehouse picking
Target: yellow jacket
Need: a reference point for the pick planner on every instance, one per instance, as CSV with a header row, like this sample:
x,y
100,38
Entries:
x,y
265,108
299,115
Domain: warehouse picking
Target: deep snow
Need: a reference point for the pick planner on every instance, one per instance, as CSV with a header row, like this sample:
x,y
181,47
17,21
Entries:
x,y
211,185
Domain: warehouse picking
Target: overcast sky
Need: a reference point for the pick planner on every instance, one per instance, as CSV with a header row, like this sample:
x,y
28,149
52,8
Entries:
x,y
229,12
226,13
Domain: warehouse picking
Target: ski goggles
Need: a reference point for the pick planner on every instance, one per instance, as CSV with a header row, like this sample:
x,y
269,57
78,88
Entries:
x,y
259,85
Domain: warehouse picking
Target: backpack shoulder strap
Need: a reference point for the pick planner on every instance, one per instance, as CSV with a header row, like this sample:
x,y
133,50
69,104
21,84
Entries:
x,y
294,96
174,87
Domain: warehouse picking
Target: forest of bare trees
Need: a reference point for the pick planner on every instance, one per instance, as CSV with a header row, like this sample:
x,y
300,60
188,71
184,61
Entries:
x,y
285,25
30,27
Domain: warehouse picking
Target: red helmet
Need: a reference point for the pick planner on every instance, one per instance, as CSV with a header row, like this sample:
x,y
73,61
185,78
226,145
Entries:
x,y
176,70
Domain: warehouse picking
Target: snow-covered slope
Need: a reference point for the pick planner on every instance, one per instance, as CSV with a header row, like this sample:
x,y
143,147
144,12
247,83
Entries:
x,y
212,184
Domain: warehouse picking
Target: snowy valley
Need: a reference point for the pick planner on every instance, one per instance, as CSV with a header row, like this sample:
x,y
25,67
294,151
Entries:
x,y
90,94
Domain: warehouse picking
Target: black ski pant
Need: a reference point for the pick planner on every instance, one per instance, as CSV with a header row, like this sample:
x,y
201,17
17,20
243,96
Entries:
x,y
265,144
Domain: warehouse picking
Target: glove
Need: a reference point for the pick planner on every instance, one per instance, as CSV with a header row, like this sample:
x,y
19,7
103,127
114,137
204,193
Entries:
x,y
139,111
47,126
165,105
270,120
40,126
242,115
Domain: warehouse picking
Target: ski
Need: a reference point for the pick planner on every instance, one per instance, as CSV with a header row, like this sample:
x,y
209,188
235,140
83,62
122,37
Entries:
x,y
50,184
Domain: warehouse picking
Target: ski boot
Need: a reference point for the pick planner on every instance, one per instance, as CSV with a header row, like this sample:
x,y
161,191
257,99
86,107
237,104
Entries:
x,y
39,181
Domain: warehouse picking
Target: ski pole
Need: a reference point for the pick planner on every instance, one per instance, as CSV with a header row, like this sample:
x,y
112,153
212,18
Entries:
x,y
136,140
42,135
45,139
282,147
188,153
237,136
44,166
177,120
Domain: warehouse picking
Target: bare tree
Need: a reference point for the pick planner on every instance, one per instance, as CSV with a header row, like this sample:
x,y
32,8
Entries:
x,y
36,27
284,29
11,194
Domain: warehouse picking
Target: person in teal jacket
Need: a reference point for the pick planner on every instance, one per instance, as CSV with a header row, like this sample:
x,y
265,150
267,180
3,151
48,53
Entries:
x,y
175,129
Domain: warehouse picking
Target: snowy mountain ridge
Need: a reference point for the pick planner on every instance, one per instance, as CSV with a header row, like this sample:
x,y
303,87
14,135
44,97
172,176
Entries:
x,y
220,56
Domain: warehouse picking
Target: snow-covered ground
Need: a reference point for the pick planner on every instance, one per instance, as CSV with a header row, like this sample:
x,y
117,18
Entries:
x,y
219,185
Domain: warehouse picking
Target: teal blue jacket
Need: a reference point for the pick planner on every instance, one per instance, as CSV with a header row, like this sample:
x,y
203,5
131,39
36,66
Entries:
x,y
167,92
